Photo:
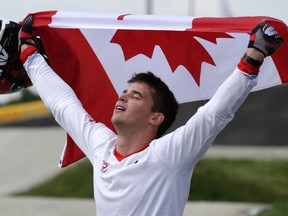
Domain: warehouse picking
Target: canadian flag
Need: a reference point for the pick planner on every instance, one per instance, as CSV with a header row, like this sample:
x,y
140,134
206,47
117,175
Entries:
x,y
97,53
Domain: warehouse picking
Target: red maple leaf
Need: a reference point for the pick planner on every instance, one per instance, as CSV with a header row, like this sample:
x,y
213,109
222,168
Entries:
x,y
179,47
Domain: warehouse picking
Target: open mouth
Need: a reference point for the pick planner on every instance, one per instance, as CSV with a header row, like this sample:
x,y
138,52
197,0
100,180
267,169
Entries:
x,y
120,108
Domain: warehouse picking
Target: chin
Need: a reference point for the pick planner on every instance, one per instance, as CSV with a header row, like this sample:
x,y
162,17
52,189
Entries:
x,y
116,121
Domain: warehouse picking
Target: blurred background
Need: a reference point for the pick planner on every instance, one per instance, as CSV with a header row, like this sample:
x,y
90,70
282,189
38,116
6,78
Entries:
x,y
31,141
17,10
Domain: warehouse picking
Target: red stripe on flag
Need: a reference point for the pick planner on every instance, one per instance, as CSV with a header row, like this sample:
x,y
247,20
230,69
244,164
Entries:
x,y
231,24
280,58
43,18
71,56
246,24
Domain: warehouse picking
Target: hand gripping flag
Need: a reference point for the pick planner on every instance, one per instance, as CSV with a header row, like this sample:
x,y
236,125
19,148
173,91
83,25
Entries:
x,y
97,53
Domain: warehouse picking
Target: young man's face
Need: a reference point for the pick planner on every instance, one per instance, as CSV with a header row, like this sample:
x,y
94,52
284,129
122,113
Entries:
x,y
134,107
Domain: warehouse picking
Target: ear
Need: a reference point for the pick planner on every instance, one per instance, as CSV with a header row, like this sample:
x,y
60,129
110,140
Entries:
x,y
157,119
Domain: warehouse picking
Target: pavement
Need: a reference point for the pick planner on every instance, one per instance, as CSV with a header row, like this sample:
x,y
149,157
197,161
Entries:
x,y
29,156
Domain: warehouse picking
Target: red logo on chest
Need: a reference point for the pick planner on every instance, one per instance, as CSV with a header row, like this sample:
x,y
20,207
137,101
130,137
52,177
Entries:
x,y
105,166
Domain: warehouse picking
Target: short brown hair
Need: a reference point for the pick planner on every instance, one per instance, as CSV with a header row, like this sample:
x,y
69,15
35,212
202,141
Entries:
x,y
164,100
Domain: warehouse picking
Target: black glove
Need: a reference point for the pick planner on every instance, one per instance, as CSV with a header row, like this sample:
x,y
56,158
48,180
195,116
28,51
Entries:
x,y
265,38
27,35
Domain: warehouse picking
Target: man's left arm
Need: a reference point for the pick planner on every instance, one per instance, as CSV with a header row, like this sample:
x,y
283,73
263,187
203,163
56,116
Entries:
x,y
186,146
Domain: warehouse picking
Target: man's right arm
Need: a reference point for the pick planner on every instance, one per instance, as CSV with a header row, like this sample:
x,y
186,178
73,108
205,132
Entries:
x,y
59,97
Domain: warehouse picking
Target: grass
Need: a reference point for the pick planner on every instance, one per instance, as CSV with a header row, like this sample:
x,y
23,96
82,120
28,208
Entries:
x,y
213,180
72,182
240,180
279,209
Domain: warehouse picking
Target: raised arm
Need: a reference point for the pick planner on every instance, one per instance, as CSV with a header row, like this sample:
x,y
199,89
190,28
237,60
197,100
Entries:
x,y
59,96
183,148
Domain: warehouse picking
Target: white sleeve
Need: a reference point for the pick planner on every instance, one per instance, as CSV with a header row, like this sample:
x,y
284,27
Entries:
x,y
184,147
64,105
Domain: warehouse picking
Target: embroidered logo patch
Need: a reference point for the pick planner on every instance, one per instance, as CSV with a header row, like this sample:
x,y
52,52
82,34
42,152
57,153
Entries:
x,y
105,166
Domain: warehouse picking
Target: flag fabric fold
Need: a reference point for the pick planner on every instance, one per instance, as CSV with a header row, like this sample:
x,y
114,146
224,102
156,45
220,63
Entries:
x,y
97,53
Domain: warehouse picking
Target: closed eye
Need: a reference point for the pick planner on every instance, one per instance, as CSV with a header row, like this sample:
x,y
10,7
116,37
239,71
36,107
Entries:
x,y
134,94
137,95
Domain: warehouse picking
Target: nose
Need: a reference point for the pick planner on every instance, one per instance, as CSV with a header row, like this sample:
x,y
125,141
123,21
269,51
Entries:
x,y
123,97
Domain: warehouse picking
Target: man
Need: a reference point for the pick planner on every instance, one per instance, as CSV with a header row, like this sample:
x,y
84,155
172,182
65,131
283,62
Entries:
x,y
138,172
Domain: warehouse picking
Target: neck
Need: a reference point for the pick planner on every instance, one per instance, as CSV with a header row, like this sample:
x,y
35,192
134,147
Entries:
x,y
126,145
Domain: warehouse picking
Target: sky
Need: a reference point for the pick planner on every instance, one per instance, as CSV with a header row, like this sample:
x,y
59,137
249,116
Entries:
x,y
16,10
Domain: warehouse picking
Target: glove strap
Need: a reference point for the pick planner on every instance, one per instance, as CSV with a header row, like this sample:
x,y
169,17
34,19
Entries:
x,y
27,53
252,61
248,67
